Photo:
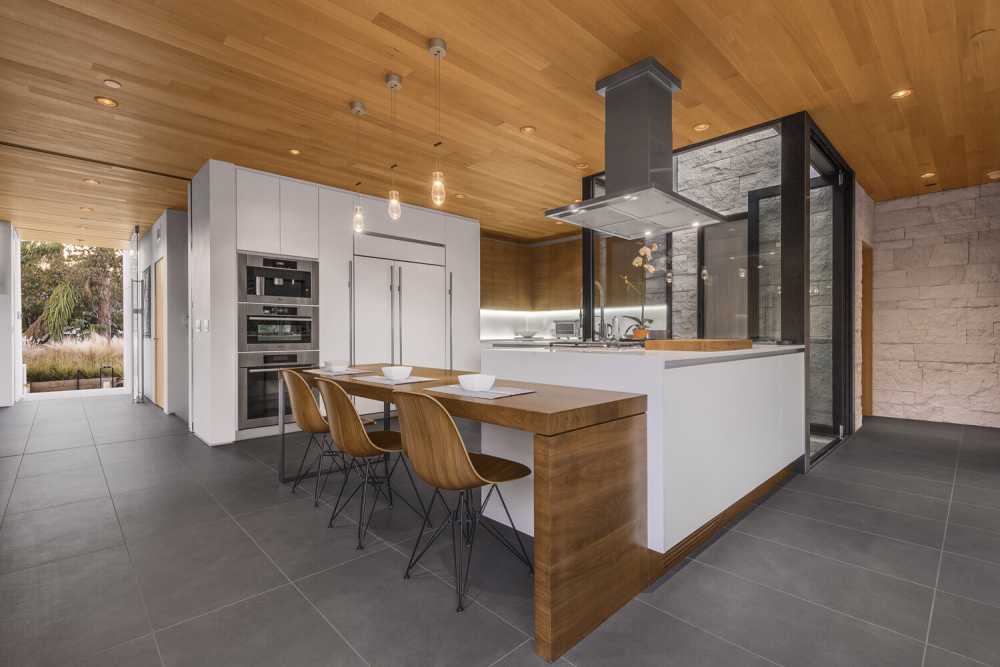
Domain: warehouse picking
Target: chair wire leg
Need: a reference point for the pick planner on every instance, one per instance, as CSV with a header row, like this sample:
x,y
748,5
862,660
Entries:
x,y
416,545
298,474
337,506
388,483
424,512
457,541
517,535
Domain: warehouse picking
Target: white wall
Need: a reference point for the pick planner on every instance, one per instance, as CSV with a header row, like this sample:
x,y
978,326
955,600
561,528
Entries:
x,y
10,324
937,306
167,240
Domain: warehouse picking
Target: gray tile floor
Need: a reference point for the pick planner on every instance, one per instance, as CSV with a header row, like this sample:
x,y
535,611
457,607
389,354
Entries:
x,y
125,541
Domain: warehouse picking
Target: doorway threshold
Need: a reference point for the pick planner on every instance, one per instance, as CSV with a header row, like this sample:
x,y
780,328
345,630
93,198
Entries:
x,y
75,393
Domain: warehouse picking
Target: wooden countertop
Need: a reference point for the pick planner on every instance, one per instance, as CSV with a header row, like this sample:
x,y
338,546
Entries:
x,y
550,410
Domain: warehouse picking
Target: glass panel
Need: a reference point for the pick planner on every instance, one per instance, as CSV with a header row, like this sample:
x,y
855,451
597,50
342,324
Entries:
x,y
769,269
630,283
821,384
724,280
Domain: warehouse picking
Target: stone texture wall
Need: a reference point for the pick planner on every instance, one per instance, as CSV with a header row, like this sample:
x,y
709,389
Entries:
x,y
864,232
718,176
937,306
821,306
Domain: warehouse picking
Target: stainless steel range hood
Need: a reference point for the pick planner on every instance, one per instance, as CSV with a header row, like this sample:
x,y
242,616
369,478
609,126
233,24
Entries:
x,y
639,161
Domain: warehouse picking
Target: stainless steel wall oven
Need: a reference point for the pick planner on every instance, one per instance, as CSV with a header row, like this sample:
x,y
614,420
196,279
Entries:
x,y
278,280
259,380
266,327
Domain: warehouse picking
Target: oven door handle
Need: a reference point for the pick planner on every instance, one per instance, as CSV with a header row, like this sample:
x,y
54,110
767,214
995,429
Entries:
x,y
275,369
279,317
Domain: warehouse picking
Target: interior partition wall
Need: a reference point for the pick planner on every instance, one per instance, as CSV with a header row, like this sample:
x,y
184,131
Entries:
x,y
777,270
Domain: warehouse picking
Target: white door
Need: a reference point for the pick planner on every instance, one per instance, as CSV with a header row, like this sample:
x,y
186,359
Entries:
x,y
258,227
374,336
299,219
422,315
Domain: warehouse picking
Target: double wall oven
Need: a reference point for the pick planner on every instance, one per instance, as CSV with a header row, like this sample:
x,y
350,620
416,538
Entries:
x,y
278,328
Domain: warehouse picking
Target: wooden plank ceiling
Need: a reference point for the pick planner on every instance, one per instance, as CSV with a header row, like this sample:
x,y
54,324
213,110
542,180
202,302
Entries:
x,y
247,80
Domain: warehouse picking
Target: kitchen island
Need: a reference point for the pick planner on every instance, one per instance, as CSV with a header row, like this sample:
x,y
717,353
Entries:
x,y
721,427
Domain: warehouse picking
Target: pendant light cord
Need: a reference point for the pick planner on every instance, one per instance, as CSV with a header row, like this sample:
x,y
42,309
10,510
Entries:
x,y
392,131
437,102
357,151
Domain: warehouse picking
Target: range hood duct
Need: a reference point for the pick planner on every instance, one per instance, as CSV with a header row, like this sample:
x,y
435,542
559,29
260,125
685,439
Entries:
x,y
639,194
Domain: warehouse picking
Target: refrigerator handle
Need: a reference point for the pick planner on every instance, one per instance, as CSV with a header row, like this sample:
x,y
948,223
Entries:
x,y
392,315
451,321
399,288
350,311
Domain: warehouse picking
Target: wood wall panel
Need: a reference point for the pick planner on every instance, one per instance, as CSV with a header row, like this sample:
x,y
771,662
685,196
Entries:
x,y
522,276
245,80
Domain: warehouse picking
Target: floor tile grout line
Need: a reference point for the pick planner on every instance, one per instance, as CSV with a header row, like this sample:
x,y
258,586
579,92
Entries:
x,y
707,632
861,504
831,558
508,653
961,655
214,610
57,505
886,472
873,624
845,527
289,580
128,552
818,472
944,539
20,462
63,558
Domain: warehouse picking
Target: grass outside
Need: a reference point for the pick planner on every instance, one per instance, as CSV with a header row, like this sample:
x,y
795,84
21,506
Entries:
x,y
62,360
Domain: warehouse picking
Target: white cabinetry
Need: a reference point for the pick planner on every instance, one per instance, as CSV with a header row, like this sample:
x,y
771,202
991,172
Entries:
x,y
257,212
276,215
299,218
336,252
462,238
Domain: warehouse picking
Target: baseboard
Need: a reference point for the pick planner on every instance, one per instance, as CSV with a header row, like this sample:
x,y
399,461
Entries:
x,y
660,563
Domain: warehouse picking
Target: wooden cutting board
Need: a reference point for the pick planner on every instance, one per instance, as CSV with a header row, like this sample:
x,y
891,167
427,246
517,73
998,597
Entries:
x,y
699,344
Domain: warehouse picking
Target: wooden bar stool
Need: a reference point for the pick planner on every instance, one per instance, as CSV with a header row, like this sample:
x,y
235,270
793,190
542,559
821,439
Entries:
x,y
366,448
437,451
309,419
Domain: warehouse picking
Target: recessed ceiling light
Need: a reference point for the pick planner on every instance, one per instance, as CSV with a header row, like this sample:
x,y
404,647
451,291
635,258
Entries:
x,y
993,175
577,201
928,174
459,195
701,127
86,209
106,101
111,83
91,181
582,165
558,222
900,94
527,129
294,151
649,233
695,224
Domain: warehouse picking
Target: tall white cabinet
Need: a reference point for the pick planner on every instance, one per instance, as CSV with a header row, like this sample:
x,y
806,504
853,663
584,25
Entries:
x,y
10,315
428,258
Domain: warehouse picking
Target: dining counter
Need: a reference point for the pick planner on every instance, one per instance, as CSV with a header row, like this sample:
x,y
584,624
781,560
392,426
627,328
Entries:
x,y
588,461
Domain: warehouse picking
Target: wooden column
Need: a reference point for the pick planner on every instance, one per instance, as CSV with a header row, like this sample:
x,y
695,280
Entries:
x,y
590,529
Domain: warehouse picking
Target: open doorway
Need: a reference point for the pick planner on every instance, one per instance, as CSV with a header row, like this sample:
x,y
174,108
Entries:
x,y
72,317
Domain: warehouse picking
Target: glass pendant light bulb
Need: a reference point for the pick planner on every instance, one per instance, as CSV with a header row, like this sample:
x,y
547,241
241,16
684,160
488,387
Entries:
x,y
395,210
437,188
359,219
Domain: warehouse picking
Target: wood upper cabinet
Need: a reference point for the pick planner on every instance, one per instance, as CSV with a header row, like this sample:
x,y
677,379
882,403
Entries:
x,y
518,276
258,218
299,205
276,215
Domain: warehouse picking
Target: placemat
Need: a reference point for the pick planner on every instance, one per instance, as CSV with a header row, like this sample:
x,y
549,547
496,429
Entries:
x,y
495,392
381,379
348,371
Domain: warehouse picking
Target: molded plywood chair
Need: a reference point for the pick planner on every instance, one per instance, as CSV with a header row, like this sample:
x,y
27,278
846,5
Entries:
x,y
437,451
310,419
367,449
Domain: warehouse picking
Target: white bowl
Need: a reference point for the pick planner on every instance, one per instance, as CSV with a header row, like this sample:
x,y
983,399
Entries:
x,y
477,382
397,372
335,365
525,333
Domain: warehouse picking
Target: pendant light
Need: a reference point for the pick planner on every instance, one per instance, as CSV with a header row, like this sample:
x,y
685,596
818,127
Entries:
x,y
438,48
394,83
358,219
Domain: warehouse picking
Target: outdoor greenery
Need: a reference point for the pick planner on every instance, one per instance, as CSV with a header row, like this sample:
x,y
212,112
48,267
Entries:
x,y
62,360
71,301
70,291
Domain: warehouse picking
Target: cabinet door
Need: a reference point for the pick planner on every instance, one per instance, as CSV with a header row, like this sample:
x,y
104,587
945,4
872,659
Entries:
x,y
374,337
335,255
299,219
463,276
422,314
258,226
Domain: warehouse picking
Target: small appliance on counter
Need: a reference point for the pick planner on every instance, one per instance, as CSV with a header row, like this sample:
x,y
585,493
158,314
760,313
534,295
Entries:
x,y
566,328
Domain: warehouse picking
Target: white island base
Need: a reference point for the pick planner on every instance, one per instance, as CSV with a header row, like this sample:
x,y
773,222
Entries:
x,y
719,425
